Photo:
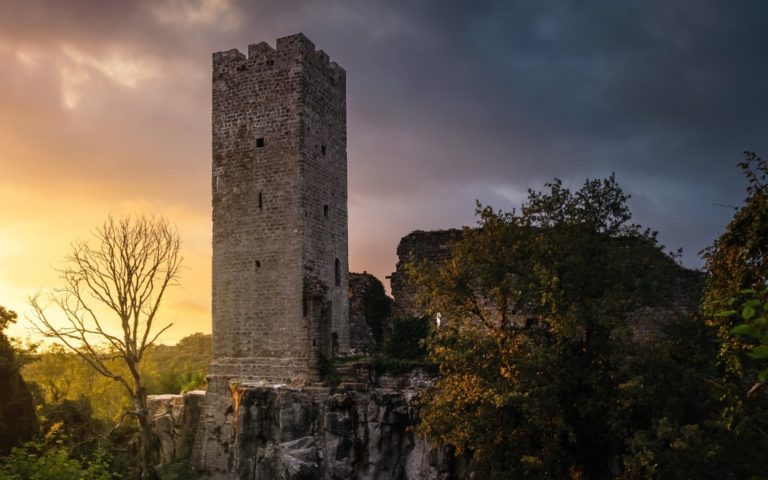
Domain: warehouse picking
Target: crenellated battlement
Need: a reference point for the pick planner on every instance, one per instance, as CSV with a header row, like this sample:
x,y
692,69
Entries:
x,y
296,48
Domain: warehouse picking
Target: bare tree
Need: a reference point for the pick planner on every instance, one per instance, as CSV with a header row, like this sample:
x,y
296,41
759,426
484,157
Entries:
x,y
125,273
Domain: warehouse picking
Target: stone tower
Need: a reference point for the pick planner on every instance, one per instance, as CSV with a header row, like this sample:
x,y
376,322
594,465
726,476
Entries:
x,y
280,272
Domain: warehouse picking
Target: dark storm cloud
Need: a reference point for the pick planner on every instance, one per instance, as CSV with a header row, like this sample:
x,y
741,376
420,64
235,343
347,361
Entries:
x,y
631,85
448,101
510,94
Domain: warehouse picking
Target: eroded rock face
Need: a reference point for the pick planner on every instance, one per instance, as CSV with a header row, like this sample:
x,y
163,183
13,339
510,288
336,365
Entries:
x,y
291,433
174,420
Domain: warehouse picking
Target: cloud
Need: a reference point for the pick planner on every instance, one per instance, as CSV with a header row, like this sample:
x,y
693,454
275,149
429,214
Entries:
x,y
106,106
220,14
120,69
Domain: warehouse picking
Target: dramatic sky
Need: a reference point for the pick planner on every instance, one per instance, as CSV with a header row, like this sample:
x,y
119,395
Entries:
x,y
105,108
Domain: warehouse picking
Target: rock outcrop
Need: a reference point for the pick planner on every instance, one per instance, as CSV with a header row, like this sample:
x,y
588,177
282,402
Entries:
x,y
174,421
281,432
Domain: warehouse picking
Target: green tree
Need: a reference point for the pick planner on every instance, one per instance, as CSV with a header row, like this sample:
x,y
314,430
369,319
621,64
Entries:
x,y
735,305
737,263
126,273
753,313
17,414
545,372
178,368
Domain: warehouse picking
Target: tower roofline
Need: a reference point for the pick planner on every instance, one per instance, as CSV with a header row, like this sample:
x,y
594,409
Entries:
x,y
263,51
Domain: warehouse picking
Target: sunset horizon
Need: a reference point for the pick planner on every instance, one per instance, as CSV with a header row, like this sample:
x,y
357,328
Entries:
x,y
107,112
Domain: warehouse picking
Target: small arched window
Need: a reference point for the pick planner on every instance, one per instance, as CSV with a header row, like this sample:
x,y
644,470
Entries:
x,y
337,272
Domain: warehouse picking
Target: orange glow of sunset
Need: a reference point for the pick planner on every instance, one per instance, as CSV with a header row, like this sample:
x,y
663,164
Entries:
x,y
88,133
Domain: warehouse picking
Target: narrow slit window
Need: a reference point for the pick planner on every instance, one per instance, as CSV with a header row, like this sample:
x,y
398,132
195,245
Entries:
x,y
260,143
322,150
261,202
337,272
257,264
325,211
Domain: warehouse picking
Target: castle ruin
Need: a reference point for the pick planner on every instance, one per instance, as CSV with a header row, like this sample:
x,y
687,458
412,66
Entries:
x,y
280,276
280,268
283,301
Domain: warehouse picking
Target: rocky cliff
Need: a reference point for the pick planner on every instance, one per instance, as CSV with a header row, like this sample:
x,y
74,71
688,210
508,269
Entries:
x,y
281,432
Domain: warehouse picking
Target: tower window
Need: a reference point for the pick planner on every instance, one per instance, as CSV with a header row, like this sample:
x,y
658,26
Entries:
x,y
337,272
325,211
257,263
261,203
260,143
322,149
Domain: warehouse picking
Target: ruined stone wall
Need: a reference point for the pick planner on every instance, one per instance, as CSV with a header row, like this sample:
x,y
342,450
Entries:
x,y
418,246
679,298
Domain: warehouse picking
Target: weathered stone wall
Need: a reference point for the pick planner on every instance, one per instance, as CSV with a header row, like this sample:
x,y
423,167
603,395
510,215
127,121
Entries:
x,y
418,246
279,212
323,176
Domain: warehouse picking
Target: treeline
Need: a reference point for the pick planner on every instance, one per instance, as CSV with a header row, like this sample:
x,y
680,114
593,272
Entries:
x,y
75,417
55,374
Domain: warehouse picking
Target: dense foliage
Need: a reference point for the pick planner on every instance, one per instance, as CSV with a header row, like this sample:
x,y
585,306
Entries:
x,y
549,365
737,262
50,458
735,305
81,411
407,338
17,414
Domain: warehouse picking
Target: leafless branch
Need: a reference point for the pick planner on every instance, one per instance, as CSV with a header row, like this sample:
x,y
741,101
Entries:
x,y
126,273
